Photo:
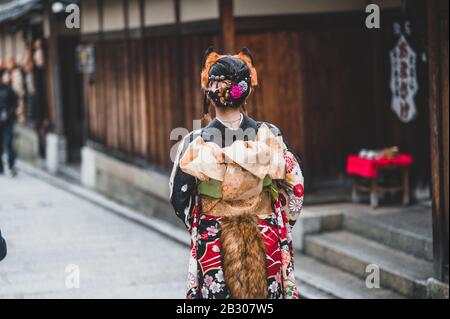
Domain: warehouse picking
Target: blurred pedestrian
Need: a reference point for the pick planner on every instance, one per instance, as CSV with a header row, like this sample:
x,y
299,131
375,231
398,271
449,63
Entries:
x,y
8,116
2,247
17,83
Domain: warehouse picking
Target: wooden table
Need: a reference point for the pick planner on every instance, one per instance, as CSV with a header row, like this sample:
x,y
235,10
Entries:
x,y
370,169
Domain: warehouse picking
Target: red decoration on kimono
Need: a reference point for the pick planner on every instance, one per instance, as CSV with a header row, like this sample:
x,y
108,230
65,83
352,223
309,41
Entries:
x,y
298,190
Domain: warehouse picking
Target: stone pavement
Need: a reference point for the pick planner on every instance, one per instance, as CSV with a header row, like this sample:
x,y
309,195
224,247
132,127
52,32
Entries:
x,y
48,230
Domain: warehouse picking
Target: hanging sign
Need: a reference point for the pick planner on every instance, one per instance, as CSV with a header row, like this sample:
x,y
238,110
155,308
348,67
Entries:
x,y
403,84
85,59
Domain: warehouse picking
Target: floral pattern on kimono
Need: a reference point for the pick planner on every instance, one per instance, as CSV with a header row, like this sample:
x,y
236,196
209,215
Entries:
x,y
206,276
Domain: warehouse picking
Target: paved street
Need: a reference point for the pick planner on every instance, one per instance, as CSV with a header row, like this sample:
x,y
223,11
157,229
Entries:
x,y
48,229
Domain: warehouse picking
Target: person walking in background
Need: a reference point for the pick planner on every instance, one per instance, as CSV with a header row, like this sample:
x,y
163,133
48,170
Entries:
x,y
8,116
16,81
2,247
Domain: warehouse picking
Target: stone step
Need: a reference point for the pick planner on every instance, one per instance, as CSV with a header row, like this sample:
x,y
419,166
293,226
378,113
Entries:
x,y
329,282
71,173
307,291
401,272
389,234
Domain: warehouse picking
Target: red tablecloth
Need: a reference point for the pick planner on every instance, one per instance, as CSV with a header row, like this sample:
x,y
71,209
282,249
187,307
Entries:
x,y
369,167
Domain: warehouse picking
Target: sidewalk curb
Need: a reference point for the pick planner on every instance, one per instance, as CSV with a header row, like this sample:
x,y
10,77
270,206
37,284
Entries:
x,y
161,227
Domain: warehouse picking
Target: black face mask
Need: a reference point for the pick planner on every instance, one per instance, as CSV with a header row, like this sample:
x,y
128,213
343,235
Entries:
x,y
228,82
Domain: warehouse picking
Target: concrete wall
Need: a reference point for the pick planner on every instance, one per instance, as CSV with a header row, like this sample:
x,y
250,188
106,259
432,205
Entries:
x,y
26,143
145,190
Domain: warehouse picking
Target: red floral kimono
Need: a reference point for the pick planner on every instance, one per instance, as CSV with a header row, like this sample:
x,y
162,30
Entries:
x,y
200,184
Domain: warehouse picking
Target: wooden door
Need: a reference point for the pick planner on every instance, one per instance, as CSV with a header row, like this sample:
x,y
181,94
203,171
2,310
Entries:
x,y
72,97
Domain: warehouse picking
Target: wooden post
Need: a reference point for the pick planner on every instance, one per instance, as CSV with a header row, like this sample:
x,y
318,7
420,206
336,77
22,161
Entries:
x,y
179,64
2,43
355,195
55,76
146,141
227,26
405,176
128,74
373,193
440,242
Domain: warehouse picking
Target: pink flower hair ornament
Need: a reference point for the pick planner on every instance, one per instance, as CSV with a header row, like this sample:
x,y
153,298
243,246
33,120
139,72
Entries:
x,y
236,92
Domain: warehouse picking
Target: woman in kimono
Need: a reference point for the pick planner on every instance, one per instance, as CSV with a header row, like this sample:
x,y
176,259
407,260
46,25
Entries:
x,y
238,188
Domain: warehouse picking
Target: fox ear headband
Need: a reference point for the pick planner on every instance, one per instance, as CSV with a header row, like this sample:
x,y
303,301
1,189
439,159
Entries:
x,y
227,79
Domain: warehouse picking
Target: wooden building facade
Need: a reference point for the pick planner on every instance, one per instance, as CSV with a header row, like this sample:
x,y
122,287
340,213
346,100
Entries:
x,y
324,76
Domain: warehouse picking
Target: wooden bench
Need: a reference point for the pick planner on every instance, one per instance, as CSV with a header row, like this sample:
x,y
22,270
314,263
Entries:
x,y
369,170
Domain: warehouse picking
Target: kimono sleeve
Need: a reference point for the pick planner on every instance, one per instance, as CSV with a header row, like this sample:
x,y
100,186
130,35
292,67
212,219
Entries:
x,y
182,188
291,189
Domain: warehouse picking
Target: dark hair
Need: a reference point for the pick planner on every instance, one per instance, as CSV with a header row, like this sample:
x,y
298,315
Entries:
x,y
227,80
237,73
231,68
2,71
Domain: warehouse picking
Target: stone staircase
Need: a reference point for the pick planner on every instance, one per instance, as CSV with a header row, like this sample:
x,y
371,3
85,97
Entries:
x,y
337,248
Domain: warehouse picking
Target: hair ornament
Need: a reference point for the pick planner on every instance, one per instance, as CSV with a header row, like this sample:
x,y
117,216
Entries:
x,y
227,79
243,85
